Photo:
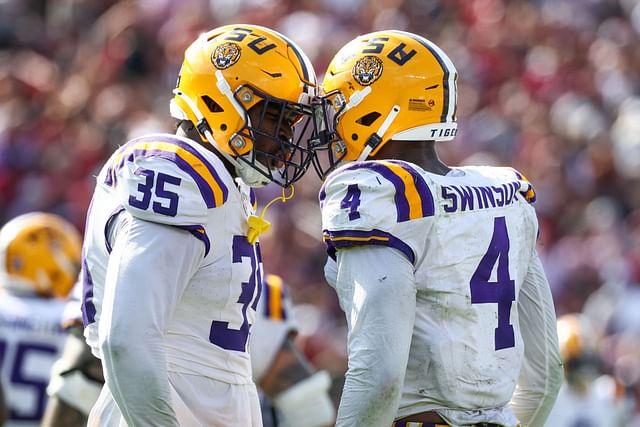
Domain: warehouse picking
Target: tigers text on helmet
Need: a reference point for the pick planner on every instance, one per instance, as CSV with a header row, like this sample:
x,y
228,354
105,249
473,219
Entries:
x,y
382,86
232,69
39,252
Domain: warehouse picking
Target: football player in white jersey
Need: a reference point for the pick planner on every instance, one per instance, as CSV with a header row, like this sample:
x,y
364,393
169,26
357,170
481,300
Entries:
x,y
39,261
172,272
588,397
298,395
450,316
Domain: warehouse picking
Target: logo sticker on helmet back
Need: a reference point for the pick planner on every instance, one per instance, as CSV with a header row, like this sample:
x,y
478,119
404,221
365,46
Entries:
x,y
225,55
367,70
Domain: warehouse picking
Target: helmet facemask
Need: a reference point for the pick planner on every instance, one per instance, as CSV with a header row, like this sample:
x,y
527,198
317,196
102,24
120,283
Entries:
x,y
279,131
329,149
244,87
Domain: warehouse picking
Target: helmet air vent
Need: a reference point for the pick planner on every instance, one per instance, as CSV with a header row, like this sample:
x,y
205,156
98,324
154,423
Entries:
x,y
368,119
212,105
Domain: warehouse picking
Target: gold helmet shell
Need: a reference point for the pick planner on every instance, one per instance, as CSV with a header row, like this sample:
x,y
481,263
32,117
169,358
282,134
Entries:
x,y
40,252
389,85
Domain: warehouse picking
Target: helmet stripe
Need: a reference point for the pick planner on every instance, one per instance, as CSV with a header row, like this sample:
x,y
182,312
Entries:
x,y
450,75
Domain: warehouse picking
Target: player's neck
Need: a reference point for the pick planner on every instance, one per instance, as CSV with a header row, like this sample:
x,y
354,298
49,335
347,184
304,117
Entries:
x,y
187,130
422,153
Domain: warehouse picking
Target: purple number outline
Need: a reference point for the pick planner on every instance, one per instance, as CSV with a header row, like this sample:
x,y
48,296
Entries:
x,y
351,201
502,291
17,377
236,339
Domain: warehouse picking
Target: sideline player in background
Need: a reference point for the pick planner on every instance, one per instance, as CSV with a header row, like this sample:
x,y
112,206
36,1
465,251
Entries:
x,y
588,397
449,312
172,274
39,261
298,394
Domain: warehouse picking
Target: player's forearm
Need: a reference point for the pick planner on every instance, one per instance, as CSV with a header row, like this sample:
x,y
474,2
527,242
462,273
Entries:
x,y
135,370
376,290
542,372
370,397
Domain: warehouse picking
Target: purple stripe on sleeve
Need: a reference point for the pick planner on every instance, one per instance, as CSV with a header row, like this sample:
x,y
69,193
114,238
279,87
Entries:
x,y
87,306
426,198
252,198
199,233
402,203
109,178
349,238
107,226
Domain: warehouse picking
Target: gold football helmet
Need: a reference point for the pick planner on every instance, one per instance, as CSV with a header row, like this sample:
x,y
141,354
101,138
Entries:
x,y
233,68
40,252
578,349
382,86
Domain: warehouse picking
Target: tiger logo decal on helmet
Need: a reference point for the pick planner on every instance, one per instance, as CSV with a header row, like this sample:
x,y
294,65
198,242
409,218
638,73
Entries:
x,y
225,55
367,70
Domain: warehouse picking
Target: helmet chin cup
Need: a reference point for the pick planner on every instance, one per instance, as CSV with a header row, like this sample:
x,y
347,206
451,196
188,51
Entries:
x,y
250,175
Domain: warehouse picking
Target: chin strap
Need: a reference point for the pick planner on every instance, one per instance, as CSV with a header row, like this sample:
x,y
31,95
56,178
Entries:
x,y
376,138
257,224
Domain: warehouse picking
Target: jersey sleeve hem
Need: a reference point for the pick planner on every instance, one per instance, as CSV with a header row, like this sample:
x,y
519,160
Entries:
x,y
349,238
199,232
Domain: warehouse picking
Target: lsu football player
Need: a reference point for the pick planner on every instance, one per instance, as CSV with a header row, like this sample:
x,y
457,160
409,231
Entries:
x,y
297,393
39,261
172,271
450,316
292,393
588,397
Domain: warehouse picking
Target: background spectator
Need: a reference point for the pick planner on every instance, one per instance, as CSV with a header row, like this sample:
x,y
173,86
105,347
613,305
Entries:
x,y
548,86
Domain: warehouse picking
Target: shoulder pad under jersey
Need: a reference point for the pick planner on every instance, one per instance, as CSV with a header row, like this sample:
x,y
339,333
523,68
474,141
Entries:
x,y
167,179
363,202
512,174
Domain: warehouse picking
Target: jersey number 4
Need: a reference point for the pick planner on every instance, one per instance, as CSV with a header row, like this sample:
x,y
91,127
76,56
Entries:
x,y
502,291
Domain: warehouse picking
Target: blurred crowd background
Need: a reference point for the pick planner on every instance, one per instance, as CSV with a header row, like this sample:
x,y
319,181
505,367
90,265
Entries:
x,y
548,86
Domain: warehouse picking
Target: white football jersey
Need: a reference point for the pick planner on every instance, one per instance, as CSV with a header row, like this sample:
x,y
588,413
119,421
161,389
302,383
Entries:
x,y
174,181
31,339
470,236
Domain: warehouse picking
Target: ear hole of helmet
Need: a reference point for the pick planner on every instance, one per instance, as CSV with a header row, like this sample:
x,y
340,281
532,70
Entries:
x,y
368,119
212,105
